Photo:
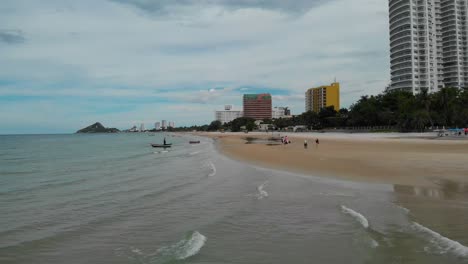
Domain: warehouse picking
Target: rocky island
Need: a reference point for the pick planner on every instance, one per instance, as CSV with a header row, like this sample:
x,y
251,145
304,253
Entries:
x,y
97,128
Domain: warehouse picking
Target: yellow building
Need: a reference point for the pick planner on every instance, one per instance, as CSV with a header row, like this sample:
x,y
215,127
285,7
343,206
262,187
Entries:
x,y
323,96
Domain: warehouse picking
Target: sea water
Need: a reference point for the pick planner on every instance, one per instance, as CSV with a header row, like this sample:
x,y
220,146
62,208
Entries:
x,y
112,198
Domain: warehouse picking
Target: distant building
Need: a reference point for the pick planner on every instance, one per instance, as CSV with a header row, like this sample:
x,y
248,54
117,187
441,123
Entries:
x,y
171,124
323,96
227,116
133,129
281,112
257,106
157,126
164,124
142,127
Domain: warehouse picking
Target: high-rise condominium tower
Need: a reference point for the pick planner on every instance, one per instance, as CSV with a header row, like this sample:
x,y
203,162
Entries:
x,y
257,106
428,44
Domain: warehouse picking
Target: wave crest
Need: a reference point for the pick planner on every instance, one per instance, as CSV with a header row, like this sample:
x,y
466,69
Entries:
x,y
185,248
373,243
261,192
359,217
213,169
444,244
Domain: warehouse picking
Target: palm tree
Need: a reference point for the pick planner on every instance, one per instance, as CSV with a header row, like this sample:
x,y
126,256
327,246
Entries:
x,y
425,100
419,119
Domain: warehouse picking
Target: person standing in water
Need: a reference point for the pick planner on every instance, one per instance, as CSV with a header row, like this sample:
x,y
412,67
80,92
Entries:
x,y
164,141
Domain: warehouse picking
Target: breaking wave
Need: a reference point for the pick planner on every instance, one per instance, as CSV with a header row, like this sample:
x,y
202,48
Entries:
x,y
373,243
185,248
443,244
261,191
137,251
359,217
213,169
405,210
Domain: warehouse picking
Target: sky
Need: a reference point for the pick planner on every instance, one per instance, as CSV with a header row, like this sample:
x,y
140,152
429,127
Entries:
x,y
66,64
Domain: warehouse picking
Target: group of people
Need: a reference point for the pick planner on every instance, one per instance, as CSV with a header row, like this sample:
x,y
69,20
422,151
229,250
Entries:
x,y
285,140
306,144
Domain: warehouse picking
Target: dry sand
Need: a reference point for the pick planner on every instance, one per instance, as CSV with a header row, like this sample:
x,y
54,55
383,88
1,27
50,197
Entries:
x,y
372,158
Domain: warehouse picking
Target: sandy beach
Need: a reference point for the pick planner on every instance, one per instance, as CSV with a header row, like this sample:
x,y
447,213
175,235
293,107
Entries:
x,y
408,159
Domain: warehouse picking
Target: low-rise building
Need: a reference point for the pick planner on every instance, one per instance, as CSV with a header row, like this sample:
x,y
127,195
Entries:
x,y
228,114
281,112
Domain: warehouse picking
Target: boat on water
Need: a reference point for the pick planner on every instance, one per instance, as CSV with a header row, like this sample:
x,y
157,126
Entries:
x,y
194,142
161,145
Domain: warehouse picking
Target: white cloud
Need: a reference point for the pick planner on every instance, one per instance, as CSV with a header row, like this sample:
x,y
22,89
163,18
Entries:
x,y
107,49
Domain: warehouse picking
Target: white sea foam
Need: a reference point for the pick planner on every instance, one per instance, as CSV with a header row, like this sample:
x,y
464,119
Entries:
x,y
194,153
359,217
192,246
213,169
185,248
442,243
162,151
137,251
407,211
261,191
373,243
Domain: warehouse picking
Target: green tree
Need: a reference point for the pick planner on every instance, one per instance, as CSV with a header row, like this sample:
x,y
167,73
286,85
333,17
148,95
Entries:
x,y
237,123
311,120
215,126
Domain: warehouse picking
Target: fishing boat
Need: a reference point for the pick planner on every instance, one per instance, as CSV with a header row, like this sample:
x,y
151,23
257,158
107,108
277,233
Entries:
x,y
161,145
195,142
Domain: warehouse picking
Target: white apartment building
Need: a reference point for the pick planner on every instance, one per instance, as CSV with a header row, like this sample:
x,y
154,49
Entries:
x,y
163,124
280,112
172,124
428,44
228,114
157,126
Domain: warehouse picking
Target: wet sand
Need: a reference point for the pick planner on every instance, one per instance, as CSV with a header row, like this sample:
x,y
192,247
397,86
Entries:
x,y
381,159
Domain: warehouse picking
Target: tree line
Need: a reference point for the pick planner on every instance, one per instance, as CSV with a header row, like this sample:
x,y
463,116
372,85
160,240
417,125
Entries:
x,y
398,109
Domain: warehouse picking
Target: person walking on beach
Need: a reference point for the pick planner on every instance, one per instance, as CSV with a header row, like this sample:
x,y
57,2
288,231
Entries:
x,y
305,144
317,142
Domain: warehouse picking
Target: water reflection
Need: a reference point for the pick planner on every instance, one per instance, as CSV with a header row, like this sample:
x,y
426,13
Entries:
x,y
444,190
265,141
443,209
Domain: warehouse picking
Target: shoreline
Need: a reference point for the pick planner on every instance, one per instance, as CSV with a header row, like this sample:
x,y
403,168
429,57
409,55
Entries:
x,y
412,161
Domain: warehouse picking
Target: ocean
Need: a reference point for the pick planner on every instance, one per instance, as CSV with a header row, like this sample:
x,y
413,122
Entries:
x,y
112,198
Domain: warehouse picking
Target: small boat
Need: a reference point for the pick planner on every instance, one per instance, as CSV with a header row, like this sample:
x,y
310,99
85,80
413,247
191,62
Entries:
x,y
195,142
161,145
